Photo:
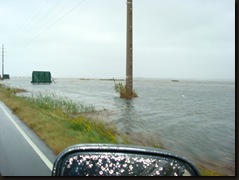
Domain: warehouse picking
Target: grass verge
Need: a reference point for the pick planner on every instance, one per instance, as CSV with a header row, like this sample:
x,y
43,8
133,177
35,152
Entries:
x,y
52,120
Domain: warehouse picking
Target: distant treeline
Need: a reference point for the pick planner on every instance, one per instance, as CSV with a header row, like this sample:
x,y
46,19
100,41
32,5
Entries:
x,y
102,79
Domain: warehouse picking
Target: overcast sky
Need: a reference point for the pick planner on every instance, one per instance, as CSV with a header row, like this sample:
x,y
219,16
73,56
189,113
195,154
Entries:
x,y
178,39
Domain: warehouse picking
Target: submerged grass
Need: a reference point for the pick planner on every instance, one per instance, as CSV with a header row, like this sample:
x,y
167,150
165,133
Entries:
x,y
122,91
60,122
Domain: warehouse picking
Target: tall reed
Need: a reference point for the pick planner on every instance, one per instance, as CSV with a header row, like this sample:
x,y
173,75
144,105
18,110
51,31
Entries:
x,y
52,101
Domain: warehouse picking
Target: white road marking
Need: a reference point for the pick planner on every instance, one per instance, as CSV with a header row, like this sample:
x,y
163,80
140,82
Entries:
x,y
31,143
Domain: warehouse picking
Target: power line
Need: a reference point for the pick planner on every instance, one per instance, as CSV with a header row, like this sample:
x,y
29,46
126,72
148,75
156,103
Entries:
x,y
44,30
28,22
42,5
64,16
58,20
38,20
48,13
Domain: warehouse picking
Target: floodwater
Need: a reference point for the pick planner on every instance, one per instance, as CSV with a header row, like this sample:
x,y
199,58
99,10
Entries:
x,y
193,118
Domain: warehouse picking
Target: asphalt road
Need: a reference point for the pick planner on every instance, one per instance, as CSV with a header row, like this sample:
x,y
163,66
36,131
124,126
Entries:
x,y
22,152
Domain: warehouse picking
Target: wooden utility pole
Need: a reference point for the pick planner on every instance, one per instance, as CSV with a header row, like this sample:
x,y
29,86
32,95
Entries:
x,y
2,60
129,50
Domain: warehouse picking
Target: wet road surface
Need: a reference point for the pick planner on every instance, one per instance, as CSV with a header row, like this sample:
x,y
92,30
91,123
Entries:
x,y
22,152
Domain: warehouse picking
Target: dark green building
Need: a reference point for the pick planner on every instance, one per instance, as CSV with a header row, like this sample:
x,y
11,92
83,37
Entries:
x,y
5,76
41,77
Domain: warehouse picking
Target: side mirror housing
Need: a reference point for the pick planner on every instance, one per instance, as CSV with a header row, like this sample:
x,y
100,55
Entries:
x,y
120,160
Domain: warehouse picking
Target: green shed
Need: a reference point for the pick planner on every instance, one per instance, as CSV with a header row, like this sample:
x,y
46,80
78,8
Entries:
x,y
41,77
6,76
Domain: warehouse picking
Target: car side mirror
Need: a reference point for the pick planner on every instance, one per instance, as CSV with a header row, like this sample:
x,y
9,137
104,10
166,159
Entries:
x,y
120,160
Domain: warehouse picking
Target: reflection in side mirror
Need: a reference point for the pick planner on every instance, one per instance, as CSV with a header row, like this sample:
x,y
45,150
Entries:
x,y
120,160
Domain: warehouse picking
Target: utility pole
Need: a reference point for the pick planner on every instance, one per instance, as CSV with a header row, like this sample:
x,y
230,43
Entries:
x,y
2,60
129,50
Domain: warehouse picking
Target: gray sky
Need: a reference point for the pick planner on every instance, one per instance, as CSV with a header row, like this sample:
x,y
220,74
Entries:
x,y
178,39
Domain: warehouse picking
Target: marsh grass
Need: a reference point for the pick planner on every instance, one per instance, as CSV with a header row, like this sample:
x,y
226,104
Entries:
x,y
54,102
